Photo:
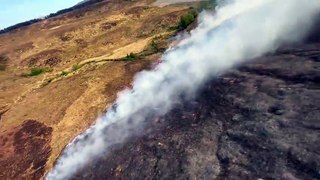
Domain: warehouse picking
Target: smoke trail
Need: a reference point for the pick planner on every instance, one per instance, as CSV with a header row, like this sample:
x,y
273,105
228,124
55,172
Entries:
x,y
239,31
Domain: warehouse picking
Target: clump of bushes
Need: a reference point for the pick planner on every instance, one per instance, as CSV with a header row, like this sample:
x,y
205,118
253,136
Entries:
x,y
187,19
154,46
157,45
36,71
130,57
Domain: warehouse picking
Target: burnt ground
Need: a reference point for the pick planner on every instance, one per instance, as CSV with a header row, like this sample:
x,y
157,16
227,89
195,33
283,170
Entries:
x,y
25,151
260,120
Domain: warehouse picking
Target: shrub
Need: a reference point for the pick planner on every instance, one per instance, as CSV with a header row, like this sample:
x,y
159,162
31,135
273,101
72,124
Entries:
x,y
154,46
130,57
76,67
36,71
64,73
158,44
187,19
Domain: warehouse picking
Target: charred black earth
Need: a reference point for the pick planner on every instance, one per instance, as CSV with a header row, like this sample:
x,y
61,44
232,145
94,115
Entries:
x,y
260,120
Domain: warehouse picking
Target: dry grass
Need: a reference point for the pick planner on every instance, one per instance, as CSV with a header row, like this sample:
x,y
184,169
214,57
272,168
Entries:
x,y
70,102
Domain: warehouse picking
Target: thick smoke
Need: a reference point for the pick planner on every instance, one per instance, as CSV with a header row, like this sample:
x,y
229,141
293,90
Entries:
x,y
238,31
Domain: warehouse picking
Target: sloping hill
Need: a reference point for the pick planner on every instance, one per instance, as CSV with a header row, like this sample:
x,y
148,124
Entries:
x,y
259,121
58,75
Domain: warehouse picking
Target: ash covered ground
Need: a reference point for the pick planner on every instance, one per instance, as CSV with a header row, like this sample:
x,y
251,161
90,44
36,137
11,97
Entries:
x,y
259,120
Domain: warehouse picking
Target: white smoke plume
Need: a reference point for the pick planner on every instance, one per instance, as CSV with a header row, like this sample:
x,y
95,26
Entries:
x,y
238,31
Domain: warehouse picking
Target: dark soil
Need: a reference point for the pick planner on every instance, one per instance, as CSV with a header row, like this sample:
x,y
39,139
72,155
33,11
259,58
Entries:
x,y
260,120
30,146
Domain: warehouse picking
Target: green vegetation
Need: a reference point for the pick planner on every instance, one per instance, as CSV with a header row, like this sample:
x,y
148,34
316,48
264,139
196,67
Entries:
x,y
76,67
130,57
64,73
154,46
36,71
157,44
192,15
187,19
209,4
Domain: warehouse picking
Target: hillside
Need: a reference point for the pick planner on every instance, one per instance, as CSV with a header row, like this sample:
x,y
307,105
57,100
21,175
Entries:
x,y
60,74
259,120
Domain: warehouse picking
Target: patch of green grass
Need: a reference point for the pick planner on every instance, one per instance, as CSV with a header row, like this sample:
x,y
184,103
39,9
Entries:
x,y
64,73
76,67
36,71
130,57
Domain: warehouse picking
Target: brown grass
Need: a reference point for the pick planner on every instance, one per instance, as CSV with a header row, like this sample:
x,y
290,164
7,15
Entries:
x,y
69,104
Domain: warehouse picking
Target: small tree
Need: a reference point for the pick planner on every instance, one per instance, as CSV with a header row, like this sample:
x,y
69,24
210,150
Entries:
x,y
187,19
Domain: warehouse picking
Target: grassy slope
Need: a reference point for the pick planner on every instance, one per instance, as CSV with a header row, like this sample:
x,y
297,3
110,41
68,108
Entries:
x,y
67,98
